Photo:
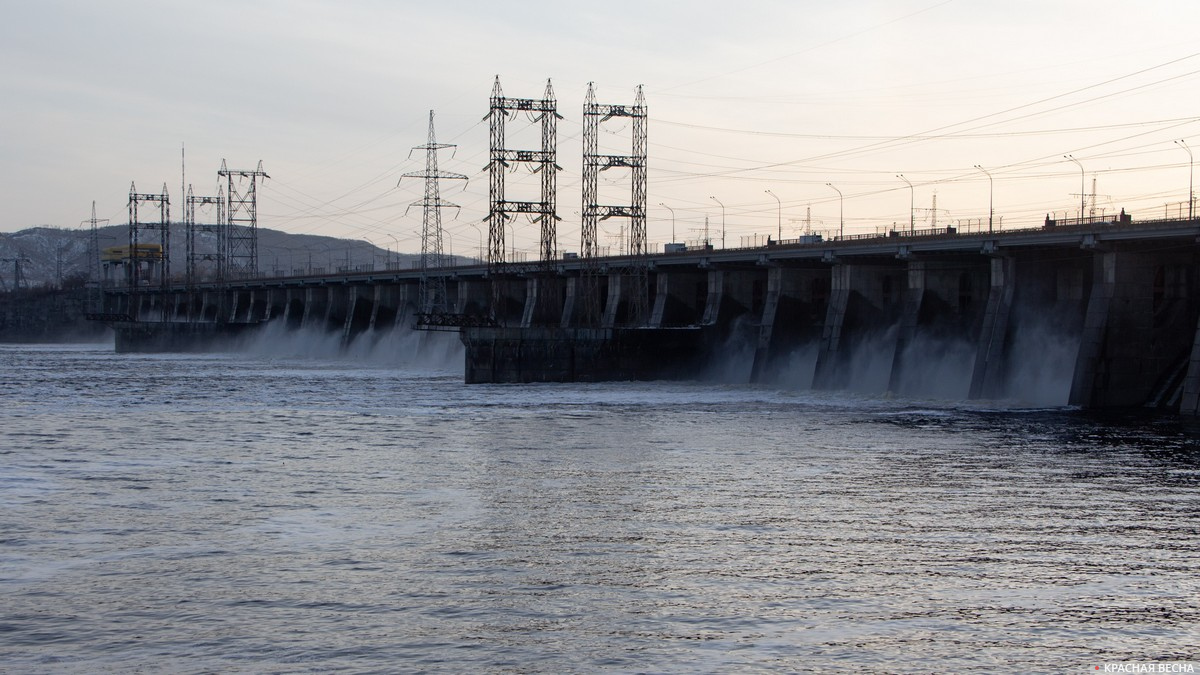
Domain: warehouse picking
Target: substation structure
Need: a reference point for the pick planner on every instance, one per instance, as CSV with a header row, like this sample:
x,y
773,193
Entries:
x,y
1122,297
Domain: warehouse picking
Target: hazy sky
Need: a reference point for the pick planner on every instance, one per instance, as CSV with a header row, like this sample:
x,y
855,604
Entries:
x,y
743,97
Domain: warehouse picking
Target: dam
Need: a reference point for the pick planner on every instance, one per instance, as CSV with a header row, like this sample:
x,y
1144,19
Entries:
x,y
1112,303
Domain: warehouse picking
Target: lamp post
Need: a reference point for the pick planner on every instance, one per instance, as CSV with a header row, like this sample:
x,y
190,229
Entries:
x,y
779,216
991,211
1191,194
1082,184
722,220
841,212
371,251
395,241
480,233
672,220
912,204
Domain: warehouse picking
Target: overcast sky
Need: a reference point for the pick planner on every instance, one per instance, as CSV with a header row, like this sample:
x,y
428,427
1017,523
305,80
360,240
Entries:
x,y
744,97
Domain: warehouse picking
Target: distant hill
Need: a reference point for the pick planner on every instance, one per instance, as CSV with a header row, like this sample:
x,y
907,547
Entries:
x,y
51,255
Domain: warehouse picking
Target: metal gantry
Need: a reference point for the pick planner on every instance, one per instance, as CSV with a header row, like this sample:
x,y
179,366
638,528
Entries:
x,y
214,253
241,255
503,159
434,300
156,261
595,114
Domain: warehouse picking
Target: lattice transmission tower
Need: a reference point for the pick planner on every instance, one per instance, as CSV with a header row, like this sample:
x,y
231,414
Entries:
x,y
94,245
594,115
434,300
215,253
95,276
503,159
19,280
241,213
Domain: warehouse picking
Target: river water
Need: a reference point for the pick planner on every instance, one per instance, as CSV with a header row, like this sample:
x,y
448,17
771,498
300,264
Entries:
x,y
288,509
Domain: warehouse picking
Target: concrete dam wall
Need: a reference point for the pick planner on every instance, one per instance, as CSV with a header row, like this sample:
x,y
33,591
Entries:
x,y
1096,315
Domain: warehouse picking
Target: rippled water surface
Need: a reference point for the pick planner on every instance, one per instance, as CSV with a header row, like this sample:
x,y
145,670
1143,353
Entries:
x,y
274,511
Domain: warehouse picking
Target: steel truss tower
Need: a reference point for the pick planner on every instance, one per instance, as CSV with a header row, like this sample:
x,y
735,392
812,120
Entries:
x,y
158,263
241,253
434,300
595,114
94,245
162,226
19,280
95,276
214,254
503,159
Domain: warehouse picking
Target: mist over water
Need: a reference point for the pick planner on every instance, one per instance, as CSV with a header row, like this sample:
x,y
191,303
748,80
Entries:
x,y
298,506
1042,365
411,350
1039,371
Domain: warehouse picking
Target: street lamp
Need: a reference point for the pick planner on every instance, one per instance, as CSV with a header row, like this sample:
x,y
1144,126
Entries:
x,y
480,233
841,212
391,264
912,204
371,251
990,192
722,220
779,214
1082,184
1191,194
672,220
